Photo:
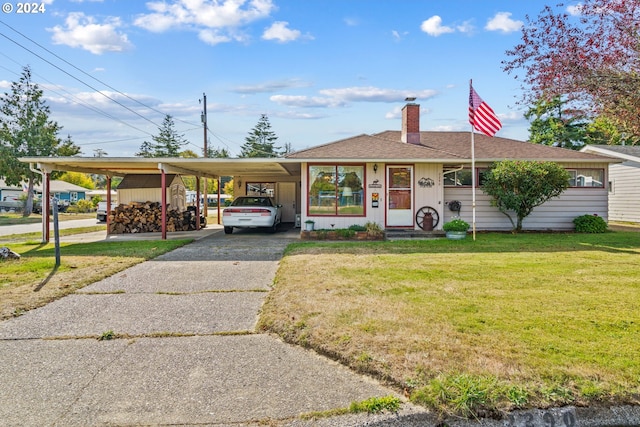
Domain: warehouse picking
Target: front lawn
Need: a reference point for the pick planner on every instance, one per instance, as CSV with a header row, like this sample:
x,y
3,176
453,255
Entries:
x,y
34,280
465,327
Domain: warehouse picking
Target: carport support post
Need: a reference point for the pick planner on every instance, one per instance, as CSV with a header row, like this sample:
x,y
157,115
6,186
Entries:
x,y
163,185
46,205
108,203
197,202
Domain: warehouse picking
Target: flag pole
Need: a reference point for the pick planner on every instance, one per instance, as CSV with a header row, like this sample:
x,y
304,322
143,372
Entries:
x,y
473,183
473,176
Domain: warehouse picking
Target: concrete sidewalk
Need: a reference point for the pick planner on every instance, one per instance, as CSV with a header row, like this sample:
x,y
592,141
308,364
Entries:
x,y
190,357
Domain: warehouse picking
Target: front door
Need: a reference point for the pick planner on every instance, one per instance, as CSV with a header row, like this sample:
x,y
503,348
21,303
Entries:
x,y
399,196
286,195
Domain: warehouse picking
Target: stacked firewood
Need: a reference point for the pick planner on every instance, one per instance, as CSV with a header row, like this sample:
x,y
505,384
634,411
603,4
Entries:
x,y
137,217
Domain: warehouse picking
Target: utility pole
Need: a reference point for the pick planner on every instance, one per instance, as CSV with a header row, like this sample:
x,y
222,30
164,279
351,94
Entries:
x,y
203,118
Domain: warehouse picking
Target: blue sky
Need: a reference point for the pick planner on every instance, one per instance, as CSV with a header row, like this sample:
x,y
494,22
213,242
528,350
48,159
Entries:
x,y
322,70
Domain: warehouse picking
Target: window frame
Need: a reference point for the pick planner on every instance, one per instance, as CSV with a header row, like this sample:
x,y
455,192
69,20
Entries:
x,y
338,194
574,178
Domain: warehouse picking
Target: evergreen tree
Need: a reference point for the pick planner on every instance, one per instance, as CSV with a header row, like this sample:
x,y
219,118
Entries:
x,y
555,125
261,141
167,143
27,131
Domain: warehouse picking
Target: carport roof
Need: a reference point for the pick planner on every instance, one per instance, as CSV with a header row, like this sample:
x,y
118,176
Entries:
x,y
204,167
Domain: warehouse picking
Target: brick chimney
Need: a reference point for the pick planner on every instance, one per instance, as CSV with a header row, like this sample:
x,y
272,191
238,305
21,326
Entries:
x,y
411,122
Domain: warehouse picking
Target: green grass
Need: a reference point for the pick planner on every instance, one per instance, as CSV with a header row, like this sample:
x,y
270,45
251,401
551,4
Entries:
x,y
465,327
34,280
18,219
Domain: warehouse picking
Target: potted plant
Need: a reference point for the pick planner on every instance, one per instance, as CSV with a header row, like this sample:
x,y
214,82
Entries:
x,y
456,228
308,225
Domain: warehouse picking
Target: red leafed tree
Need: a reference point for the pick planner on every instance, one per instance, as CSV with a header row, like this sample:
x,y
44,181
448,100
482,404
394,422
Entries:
x,y
588,54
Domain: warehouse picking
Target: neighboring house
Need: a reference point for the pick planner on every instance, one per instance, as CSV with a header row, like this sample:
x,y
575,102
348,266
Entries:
x,y
146,188
65,192
10,193
624,191
390,176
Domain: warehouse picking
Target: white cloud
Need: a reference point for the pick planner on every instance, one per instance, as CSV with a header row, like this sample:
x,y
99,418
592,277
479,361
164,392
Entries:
x,y
203,13
306,101
213,37
332,98
351,22
465,27
502,22
279,31
5,84
575,10
373,94
433,26
84,32
398,36
272,86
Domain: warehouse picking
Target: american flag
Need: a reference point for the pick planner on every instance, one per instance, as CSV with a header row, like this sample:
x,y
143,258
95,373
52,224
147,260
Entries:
x,y
481,116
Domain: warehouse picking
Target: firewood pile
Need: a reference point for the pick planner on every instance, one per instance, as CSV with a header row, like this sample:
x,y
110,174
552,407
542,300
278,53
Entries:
x,y
137,217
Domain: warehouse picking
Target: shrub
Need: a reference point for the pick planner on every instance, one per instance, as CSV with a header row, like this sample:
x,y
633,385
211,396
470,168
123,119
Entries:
x,y
590,224
374,228
356,227
456,225
345,233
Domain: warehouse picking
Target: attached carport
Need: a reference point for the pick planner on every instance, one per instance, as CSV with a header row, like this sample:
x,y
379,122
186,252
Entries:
x,y
214,168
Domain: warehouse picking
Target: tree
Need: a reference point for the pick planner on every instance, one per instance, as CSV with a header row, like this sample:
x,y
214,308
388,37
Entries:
x,y
591,58
519,186
78,178
167,143
554,126
261,141
217,153
27,131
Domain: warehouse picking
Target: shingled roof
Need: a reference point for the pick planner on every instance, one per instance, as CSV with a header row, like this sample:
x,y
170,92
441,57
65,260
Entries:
x,y
439,147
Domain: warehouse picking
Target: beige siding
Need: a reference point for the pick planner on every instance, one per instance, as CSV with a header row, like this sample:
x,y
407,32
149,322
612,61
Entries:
x,y
142,195
624,199
372,214
429,196
556,214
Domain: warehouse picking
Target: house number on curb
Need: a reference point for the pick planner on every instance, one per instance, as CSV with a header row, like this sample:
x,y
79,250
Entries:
x,y
550,418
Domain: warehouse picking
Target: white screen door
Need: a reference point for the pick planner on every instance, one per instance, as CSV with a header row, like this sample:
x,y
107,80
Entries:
x,y
399,196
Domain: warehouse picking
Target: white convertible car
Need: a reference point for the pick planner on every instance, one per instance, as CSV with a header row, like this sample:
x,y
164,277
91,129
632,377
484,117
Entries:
x,y
251,212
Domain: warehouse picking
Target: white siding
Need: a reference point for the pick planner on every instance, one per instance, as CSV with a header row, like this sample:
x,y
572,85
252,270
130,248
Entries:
x,y
624,199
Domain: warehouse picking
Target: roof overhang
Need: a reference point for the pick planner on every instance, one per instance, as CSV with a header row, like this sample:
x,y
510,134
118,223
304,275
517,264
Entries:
x,y
202,167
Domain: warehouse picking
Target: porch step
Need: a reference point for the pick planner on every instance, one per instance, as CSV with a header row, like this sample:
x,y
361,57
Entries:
x,y
402,234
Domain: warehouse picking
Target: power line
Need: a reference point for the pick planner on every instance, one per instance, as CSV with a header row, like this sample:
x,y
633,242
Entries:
x,y
89,75
75,78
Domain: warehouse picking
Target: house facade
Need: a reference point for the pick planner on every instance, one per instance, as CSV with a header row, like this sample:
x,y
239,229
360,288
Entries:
x,y
394,178
624,192
402,179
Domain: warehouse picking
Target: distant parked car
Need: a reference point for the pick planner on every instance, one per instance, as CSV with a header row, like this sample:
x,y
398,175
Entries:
x,y
252,212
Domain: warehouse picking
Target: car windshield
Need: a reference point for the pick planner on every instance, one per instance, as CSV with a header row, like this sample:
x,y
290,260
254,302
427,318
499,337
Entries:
x,y
252,201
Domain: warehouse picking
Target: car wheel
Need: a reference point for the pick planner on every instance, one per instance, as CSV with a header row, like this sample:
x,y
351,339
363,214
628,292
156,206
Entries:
x,y
274,227
228,230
